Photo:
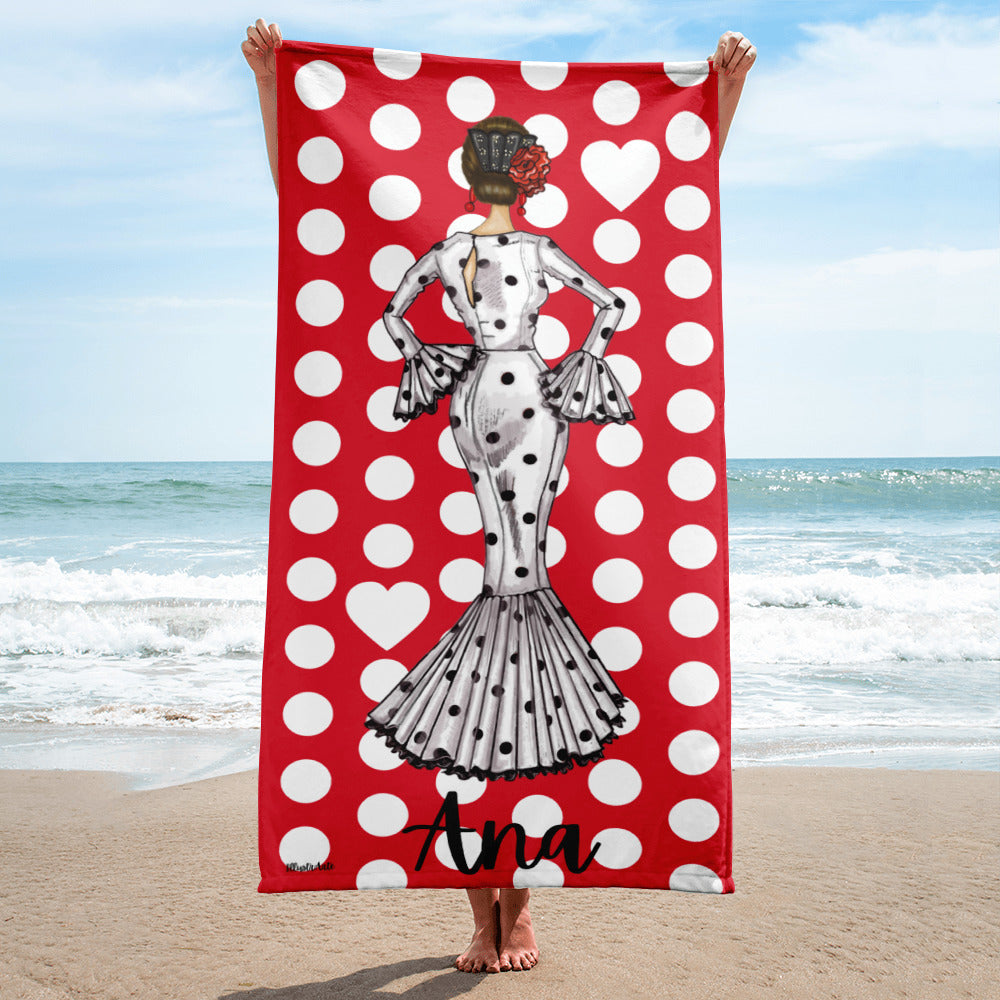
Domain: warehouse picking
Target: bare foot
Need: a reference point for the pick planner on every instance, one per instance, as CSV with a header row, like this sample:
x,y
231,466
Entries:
x,y
481,955
518,950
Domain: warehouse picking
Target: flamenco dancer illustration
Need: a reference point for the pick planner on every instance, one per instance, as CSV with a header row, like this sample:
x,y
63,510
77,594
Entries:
x,y
513,689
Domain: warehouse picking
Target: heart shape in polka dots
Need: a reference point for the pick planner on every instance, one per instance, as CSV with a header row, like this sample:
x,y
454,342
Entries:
x,y
620,173
387,617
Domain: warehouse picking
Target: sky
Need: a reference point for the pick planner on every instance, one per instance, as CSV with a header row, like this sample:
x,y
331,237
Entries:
x,y
860,202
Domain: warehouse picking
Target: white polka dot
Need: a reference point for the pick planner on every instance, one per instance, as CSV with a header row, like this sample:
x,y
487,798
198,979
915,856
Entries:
x,y
619,848
546,209
382,814
397,64
460,513
394,126
693,683
555,546
381,405
388,266
449,450
320,231
619,648
319,84
693,615
628,373
619,512
689,344
320,160
465,224
694,819
688,276
455,170
543,75
695,878
465,789
616,102
617,581
305,781
619,444
563,481
304,845
318,373
394,197
691,478
614,782
380,677
461,580
316,443
693,752
690,410
552,134
470,99
319,302
380,343
536,813
687,207
309,646
688,136
551,338
686,74
381,874
388,546
311,579
374,752
630,315
389,477
544,874
472,845
313,512
692,546
307,714
616,241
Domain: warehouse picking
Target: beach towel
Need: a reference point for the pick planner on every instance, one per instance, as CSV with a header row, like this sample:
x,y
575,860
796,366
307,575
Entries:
x,y
497,637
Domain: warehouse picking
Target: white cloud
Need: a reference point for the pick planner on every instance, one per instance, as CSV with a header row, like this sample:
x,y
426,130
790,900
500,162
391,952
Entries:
x,y
854,92
914,291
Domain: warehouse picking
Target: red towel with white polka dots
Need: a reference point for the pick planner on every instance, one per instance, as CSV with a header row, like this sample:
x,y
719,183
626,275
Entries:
x,y
497,631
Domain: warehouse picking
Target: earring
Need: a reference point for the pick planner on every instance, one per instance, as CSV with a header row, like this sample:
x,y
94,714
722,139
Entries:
x,y
520,203
470,205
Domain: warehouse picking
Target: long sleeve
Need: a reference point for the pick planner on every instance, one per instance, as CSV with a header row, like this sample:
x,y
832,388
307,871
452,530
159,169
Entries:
x,y
610,308
423,273
582,386
430,371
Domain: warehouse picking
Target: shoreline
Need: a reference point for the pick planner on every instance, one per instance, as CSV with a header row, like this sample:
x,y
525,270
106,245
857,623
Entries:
x,y
155,757
850,883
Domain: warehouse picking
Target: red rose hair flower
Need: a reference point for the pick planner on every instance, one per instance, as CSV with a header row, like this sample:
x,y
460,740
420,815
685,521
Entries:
x,y
528,167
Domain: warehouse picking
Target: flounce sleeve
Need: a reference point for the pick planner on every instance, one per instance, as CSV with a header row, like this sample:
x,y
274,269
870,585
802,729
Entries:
x,y
429,375
582,387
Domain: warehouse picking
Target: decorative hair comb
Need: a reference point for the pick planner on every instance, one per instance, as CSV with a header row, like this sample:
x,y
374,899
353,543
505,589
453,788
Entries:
x,y
495,149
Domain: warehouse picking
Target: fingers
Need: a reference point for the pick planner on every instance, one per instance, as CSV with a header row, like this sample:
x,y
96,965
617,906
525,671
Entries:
x,y
735,54
263,36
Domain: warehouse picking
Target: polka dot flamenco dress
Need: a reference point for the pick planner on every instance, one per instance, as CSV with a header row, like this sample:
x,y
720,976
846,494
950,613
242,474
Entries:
x,y
513,689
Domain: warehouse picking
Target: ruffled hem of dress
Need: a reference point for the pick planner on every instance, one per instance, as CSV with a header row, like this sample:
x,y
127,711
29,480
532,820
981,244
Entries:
x,y
430,375
583,387
387,732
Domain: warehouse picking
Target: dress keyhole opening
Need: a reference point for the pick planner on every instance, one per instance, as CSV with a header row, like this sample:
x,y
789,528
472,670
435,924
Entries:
x,y
469,273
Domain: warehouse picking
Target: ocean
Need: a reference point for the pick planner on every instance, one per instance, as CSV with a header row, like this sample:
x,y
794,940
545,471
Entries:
x,y
865,613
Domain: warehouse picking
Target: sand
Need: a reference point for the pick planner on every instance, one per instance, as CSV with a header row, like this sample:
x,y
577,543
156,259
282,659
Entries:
x,y
866,883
